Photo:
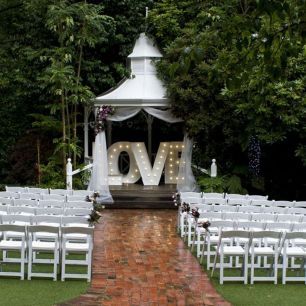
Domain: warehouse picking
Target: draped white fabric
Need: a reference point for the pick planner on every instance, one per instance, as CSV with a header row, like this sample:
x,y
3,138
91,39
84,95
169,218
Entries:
x,y
124,113
99,177
186,180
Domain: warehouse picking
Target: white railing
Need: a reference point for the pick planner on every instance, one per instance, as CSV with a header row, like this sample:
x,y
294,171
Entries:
x,y
70,173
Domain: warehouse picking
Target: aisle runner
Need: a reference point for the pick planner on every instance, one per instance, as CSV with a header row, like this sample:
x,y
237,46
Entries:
x,y
140,260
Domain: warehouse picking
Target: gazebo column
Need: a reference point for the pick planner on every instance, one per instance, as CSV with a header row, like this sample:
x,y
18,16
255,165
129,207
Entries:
x,y
86,133
109,133
149,122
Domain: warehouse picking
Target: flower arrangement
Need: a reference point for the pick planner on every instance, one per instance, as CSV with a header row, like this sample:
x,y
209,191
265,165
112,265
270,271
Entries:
x,y
95,214
205,224
185,207
195,213
176,199
103,112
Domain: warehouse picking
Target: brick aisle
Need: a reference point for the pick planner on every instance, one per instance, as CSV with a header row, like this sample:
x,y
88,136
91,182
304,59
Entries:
x,y
140,260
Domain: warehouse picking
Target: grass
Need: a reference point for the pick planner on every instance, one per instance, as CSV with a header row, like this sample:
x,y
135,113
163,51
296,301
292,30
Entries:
x,y
261,293
38,291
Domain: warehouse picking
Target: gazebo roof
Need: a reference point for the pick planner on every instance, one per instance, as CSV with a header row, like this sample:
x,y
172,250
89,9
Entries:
x,y
143,88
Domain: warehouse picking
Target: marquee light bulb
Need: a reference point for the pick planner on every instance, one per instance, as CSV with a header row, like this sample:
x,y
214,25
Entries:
x,y
176,146
115,150
120,146
171,146
138,144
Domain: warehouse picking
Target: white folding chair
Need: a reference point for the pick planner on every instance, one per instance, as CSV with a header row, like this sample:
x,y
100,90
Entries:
x,y
237,196
261,202
69,247
238,202
224,208
236,216
9,194
294,250
82,193
214,201
297,211
234,249
263,217
37,245
289,218
76,198
211,239
13,245
273,210
262,249
3,210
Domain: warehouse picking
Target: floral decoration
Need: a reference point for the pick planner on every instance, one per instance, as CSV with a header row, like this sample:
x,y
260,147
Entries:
x,y
185,207
103,112
176,199
95,214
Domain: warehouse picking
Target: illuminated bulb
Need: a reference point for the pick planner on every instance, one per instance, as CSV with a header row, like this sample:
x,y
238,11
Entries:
x,y
171,171
139,151
141,156
138,144
176,146
170,165
111,156
176,178
177,162
149,175
127,146
159,162
146,168
183,178
110,163
115,150
136,170
154,174
183,146
157,168
171,159
132,176
171,146
161,156
120,146
170,178
165,144
171,152
163,151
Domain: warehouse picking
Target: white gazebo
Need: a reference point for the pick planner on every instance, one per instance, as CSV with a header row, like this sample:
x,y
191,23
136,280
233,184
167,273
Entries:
x,y
143,90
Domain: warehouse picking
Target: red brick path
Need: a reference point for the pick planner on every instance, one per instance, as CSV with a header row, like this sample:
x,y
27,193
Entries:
x,y
140,260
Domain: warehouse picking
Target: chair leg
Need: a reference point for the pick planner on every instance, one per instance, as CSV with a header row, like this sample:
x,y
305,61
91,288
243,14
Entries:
x,y
275,269
284,269
55,264
245,269
30,264
89,266
22,264
252,268
63,265
221,268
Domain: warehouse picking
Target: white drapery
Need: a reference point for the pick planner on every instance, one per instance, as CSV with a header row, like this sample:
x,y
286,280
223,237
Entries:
x,y
99,176
186,180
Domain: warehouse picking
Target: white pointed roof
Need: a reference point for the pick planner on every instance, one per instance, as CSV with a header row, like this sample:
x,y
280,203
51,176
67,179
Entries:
x,y
143,88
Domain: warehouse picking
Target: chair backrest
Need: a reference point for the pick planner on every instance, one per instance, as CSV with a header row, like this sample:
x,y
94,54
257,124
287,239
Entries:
x,y
77,230
250,225
210,215
76,198
214,201
51,203
299,227
8,194
300,204
12,228
62,192
295,235
50,211
43,228
6,201
224,208
73,220
15,189
261,202
238,201
77,211
235,234
30,196
235,196
249,209
236,216
274,210
215,195
267,234
288,218
191,200
263,217
38,190
286,204
4,209
21,210
227,224
58,197
297,211
25,202
257,197
18,219
83,193
279,226
203,207
46,219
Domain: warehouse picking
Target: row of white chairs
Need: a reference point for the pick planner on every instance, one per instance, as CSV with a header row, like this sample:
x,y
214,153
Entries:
x,y
45,203
29,240
217,195
38,196
35,190
27,210
253,245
